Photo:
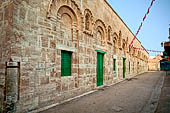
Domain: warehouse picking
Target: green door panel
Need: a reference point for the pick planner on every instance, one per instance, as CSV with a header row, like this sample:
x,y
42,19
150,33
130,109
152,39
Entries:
x,y
66,58
124,67
99,69
129,66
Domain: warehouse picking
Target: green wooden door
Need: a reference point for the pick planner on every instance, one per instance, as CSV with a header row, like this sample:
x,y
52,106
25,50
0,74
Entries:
x,y
129,66
99,69
124,67
66,58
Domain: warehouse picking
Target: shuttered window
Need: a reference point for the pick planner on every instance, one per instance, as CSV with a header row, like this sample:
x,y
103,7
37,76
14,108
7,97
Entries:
x,y
66,58
114,64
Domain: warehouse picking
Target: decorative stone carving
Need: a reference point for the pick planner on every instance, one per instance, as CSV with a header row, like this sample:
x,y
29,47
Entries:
x,y
88,22
120,40
127,45
109,36
49,10
100,29
115,42
69,21
55,5
124,46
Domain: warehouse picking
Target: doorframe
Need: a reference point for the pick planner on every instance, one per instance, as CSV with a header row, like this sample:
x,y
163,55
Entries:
x,y
101,52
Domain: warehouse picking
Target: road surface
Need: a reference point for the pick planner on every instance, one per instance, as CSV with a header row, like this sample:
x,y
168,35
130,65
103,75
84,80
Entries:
x,y
129,96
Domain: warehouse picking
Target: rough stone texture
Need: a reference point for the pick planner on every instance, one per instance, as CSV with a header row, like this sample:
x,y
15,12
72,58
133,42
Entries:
x,y
6,19
33,32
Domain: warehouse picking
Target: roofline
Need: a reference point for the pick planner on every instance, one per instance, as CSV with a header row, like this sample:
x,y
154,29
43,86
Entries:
x,y
123,22
144,48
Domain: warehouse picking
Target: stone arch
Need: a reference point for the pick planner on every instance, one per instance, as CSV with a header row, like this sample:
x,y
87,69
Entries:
x,y
100,35
68,21
88,20
130,51
139,54
127,44
109,34
136,52
115,42
133,52
124,46
142,56
100,28
66,10
120,40
56,5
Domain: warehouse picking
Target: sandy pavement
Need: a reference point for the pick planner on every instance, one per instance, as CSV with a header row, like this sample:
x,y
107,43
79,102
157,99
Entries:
x,y
129,96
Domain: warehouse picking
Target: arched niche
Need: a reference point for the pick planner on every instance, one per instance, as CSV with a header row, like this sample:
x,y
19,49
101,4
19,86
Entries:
x,y
66,10
68,21
120,40
133,52
127,45
100,35
124,46
88,21
100,30
115,42
55,5
140,54
109,35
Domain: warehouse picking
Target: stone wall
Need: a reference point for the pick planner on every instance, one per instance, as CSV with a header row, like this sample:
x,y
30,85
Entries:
x,y
41,29
6,18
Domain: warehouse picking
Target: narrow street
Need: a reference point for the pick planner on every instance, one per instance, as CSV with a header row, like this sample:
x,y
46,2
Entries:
x,y
129,96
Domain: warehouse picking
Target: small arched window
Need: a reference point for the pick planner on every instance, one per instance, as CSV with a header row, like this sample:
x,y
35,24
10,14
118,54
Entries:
x,y
88,18
109,34
100,35
124,46
100,31
120,39
87,21
68,21
115,42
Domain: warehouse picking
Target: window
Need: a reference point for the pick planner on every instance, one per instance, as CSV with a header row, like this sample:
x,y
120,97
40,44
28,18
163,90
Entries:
x,y
109,33
129,66
87,21
66,58
120,39
114,64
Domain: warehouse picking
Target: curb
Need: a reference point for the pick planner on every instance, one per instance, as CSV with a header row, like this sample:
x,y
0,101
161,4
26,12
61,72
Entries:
x,y
152,103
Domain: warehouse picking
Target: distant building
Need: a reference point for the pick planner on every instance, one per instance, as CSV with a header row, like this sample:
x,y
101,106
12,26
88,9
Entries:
x,y
154,63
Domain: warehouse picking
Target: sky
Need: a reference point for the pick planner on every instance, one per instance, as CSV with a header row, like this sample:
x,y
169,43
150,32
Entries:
x,y
155,28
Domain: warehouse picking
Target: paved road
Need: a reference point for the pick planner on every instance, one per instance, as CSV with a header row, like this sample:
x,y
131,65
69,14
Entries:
x,y
164,102
129,96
